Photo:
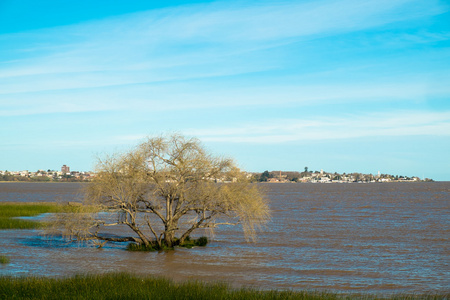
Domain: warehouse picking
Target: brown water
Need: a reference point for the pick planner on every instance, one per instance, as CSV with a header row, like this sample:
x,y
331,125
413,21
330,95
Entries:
x,y
371,238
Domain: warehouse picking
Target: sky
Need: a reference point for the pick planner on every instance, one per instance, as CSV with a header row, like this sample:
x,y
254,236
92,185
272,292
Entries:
x,y
339,85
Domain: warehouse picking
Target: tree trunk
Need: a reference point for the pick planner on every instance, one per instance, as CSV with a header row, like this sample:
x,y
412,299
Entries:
x,y
169,235
140,234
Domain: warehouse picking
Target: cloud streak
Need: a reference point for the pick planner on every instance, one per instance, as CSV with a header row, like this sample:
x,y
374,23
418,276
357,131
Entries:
x,y
196,97
404,123
176,59
158,43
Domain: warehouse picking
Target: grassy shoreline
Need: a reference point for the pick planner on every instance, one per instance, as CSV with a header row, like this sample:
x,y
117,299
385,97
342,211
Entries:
x,y
10,211
127,286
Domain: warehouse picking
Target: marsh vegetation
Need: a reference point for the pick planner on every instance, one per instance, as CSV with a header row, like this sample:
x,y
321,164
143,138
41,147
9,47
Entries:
x,y
4,259
126,286
11,213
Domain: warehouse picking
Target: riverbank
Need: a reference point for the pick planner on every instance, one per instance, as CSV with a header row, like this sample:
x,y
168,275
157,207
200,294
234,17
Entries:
x,y
127,286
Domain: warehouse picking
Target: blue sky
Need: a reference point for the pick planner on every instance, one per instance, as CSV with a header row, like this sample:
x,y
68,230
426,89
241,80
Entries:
x,y
339,85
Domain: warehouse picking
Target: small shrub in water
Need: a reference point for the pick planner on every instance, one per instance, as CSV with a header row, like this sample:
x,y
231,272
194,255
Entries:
x,y
202,241
189,243
4,259
140,247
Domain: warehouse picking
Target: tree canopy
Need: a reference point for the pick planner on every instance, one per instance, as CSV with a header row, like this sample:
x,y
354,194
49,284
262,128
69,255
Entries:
x,y
164,189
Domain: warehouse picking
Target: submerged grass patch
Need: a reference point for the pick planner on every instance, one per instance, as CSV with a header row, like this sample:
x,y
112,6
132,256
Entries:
x,y
4,259
188,243
10,211
126,286
140,247
9,223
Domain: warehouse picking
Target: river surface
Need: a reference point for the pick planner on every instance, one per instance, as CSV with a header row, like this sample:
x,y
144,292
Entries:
x,y
364,238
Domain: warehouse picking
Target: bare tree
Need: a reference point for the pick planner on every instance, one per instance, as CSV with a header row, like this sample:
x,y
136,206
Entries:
x,y
162,191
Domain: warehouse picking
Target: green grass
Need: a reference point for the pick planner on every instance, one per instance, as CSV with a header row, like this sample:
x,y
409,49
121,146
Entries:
x,y
4,259
126,286
188,243
10,211
140,247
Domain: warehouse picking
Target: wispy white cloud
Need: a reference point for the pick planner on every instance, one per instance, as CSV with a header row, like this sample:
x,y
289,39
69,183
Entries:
x,y
199,97
405,123
161,42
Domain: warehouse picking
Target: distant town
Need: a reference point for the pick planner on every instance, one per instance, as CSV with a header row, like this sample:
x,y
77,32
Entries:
x,y
66,175
327,177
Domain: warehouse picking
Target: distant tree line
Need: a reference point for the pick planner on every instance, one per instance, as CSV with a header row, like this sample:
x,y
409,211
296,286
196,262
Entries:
x,y
288,176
